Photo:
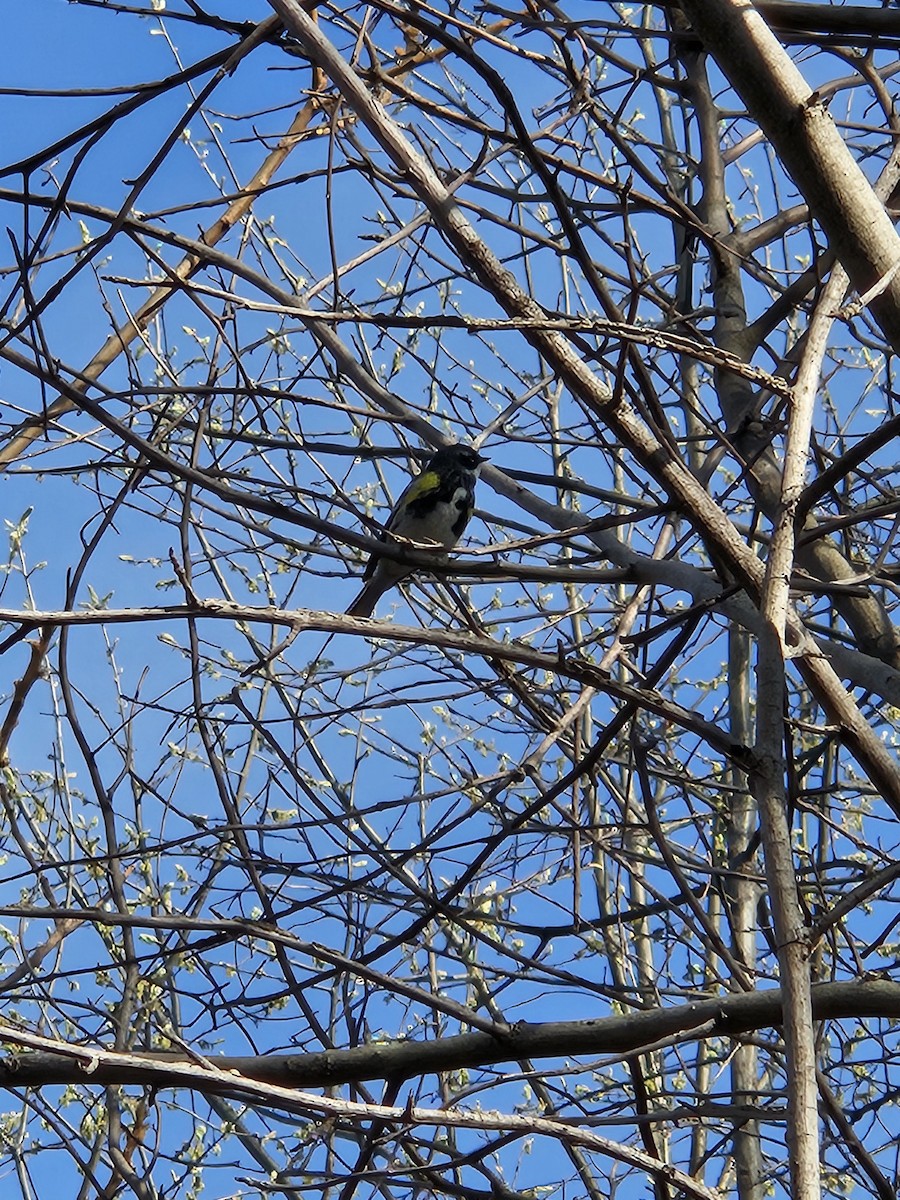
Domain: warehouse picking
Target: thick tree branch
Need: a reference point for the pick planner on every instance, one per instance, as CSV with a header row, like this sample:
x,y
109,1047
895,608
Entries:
x,y
807,141
728,1016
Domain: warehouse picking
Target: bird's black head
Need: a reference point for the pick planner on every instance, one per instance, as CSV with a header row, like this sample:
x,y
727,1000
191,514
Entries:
x,y
458,457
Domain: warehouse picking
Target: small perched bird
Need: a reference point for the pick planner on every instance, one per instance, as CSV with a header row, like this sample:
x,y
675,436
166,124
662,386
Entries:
x,y
435,507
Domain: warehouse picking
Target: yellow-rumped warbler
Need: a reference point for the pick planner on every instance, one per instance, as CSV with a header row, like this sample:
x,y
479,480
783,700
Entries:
x,y
435,507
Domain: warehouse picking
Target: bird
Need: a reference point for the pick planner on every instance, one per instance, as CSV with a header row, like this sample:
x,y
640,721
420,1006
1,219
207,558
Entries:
x,y
435,507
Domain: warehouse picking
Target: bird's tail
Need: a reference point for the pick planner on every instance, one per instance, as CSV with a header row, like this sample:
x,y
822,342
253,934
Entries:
x,y
364,604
